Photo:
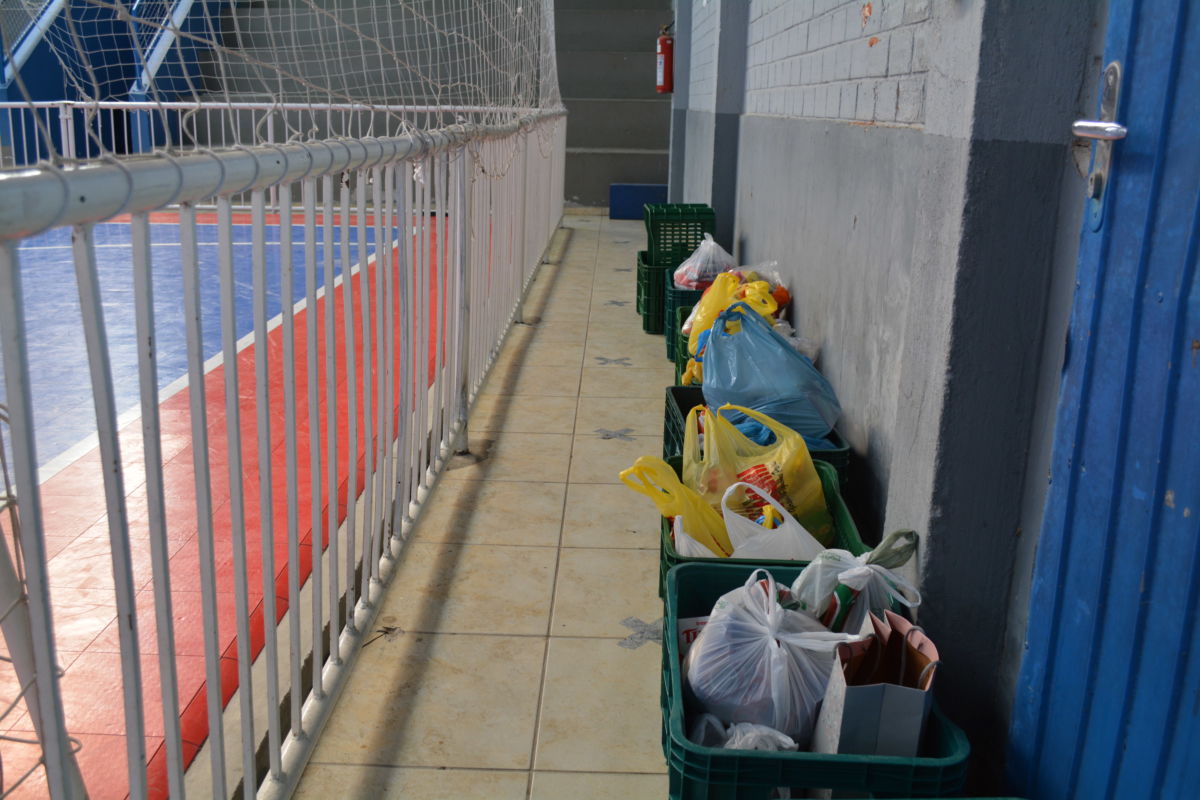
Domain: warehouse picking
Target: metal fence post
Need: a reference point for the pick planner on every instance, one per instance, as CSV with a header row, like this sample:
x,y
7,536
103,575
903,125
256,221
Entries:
x,y
464,298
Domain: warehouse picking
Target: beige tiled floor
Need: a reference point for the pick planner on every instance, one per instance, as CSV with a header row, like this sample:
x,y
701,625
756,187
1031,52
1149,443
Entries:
x,y
509,674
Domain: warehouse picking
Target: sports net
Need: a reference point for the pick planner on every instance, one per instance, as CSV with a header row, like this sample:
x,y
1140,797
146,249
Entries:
x,y
144,76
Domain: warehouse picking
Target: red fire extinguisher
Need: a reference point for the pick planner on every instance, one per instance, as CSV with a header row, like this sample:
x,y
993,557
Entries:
x,y
666,60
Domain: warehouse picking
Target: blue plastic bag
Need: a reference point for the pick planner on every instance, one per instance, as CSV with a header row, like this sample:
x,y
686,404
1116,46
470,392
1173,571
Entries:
x,y
757,368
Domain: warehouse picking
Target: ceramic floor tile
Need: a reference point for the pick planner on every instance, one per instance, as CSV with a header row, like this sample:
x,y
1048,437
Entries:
x,y
598,786
560,331
324,781
632,382
647,354
518,377
598,460
450,588
599,589
547,354
609,515
441,701
564,305
493,512
564,316
514,457
600,708
523,414
642,417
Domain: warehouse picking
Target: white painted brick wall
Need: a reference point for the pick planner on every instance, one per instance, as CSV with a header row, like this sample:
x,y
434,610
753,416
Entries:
x,y
702,90
859,60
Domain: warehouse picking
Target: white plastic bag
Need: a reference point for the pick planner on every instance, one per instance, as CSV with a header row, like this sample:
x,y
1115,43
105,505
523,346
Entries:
x,y
805,347
757,662
703,266
685,545
870,586
788,542
708,731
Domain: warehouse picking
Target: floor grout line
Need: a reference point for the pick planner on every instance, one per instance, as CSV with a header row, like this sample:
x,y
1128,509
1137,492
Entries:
x,y
537,717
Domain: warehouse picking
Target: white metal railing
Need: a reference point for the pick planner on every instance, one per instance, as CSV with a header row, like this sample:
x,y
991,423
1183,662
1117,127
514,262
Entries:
x,y
69,130
464,212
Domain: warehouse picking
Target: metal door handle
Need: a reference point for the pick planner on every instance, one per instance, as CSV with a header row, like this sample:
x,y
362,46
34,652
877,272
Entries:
x,y
1098,129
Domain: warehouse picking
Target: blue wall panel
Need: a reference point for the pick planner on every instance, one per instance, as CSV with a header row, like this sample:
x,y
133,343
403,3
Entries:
x,y
1109,697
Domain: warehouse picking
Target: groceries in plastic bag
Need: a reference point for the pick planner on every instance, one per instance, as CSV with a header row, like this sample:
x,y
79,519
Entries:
x,y
749,364
840,589
705,530
757,662
708,731
783,469
785,540
701,268
725,290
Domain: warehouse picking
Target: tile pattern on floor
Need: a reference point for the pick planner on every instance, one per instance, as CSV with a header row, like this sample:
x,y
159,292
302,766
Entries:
x,y
515,662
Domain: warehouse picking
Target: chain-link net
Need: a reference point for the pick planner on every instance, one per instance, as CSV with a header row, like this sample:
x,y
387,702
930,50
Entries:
x,y
144,76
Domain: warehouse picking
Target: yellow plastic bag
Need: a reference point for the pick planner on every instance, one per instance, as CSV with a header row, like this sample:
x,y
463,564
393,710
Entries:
x,y
724,291
656,479
783,469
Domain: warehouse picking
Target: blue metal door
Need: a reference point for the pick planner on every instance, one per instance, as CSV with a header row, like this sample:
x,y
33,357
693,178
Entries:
x,y
1108,704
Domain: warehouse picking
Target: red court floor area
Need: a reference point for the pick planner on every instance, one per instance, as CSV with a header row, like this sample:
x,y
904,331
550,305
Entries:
x,y
80,567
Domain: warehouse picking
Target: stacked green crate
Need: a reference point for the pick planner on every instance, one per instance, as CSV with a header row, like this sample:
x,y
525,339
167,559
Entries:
x,y
674,301
673,231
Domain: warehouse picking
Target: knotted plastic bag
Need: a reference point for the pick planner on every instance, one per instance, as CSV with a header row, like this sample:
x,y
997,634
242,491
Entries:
x,y
840,589
702,267
757,662
747,363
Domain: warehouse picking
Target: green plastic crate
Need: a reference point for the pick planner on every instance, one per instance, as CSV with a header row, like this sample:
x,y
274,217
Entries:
x,y
674,230
643,261
681,338
845,532
674,301
679,401
838,456
709,773
651,282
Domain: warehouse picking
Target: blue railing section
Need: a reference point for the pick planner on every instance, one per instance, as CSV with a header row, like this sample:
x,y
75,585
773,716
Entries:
x,y
108,60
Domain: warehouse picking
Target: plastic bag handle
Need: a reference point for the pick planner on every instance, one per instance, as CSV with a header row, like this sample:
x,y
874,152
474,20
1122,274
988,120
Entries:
x,y
897,583
643,484
783,512
691,434
771,606
779,429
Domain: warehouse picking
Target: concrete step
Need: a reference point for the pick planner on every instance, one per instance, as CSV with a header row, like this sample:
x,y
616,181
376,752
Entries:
x,y
589,172
607,74
638,124
618,30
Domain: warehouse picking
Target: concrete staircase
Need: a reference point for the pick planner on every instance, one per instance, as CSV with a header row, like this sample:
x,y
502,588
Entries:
x,y
619,126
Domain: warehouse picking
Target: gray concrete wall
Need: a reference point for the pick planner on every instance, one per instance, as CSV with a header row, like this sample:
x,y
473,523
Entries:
x,y
619,125
700,114
912,172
